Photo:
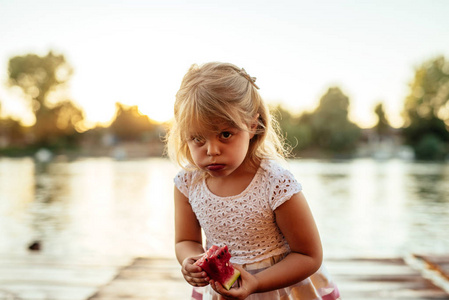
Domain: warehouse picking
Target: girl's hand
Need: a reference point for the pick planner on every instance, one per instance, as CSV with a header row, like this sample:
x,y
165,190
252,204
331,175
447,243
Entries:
x,y
247,284
194,275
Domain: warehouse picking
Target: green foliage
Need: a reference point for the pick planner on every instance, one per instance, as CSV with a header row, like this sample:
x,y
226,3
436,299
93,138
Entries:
x,y
58,121
383,126
327,129
11,132
56,127
331,126
297,137
37,75
426,110
57,124
430,147
130,124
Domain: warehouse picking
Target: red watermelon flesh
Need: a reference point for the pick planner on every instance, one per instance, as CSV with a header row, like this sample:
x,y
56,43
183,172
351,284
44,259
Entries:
x,y
215,262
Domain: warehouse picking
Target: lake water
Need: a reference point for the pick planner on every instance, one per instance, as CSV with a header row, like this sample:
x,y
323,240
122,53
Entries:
x,y
100,207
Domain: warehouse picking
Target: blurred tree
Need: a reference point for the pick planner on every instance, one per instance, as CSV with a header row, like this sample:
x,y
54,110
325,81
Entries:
x,y
430,147
57,127
12,133
325,131
288,125
130,124
331,128
382,127
39,77
296,135
426,110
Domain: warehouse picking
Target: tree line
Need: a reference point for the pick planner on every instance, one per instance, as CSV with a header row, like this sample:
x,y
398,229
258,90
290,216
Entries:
x,y
59,122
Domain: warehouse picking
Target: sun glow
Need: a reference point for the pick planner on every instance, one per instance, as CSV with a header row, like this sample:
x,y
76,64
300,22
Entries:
x,y
296,50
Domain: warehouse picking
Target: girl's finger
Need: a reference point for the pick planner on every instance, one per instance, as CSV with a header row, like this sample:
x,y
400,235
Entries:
x,y
193,268
218,287
194,279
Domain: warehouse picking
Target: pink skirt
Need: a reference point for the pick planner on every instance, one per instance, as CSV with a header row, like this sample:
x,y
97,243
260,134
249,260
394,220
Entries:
x,y
319,286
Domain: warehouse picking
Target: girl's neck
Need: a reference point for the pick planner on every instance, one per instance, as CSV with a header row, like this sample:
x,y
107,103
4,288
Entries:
x,y
234,183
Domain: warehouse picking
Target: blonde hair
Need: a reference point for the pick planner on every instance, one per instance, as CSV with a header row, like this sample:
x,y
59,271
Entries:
x,y
221,93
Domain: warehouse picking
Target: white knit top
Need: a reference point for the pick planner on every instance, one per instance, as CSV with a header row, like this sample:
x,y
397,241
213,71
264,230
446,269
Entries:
x,y
245,222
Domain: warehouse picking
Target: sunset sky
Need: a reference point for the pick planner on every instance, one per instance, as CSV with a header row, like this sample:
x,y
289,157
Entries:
x,y
136,51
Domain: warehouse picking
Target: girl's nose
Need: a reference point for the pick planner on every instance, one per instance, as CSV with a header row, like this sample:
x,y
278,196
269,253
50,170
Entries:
x,y
213,149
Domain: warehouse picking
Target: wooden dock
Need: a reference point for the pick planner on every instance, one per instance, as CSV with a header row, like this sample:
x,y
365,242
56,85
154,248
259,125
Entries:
x,y
357,279
147,278
438,264
161,279
38,277
383,279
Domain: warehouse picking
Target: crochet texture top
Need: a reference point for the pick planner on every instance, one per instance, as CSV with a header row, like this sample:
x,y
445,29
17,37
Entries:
x,y
245,222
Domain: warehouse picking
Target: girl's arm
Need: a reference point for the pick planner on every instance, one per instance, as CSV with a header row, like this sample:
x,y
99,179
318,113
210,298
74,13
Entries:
x,y
296,222
188,241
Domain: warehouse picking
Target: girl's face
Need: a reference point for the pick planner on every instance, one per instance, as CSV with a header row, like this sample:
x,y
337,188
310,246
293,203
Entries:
x,y
219,152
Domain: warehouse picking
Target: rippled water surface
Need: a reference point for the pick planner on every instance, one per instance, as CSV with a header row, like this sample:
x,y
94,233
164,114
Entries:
x,y
102,207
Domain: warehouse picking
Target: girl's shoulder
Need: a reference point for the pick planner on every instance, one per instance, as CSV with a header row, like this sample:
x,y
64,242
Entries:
x,y
282,184
186,178
274,169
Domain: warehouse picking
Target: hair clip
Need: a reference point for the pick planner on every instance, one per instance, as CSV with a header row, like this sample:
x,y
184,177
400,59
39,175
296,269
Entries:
x,y
250,79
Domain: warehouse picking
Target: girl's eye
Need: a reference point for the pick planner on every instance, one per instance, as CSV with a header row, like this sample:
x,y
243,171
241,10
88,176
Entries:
x,y
197,139
225,135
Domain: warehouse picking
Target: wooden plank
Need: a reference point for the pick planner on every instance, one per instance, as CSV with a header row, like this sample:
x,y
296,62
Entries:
x,y
439,263
161,279
381,279
147,278
41,278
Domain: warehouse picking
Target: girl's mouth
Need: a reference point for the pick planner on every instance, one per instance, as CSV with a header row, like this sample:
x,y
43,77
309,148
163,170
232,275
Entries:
x,y
215,167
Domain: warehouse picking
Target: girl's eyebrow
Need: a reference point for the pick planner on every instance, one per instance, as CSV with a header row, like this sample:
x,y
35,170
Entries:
x,y
217,129
195,134
229,129
226,129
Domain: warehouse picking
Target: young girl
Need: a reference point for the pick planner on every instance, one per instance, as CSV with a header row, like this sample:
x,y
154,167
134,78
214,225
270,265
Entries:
x,y
234,188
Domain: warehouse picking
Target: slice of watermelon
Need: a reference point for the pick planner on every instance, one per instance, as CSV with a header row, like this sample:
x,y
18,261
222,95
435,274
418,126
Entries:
x,y
215,262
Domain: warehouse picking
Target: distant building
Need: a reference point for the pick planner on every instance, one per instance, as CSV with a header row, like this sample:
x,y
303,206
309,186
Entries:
x,y
385,146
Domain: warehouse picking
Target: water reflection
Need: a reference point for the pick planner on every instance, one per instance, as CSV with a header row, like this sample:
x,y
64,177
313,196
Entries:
x,y
428,188
107,208
369,208
430,182
92,206
16,182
